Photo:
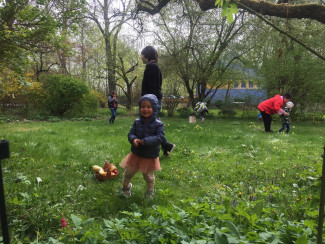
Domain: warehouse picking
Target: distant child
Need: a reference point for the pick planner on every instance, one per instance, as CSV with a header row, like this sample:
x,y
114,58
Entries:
x,y
112,105
200,109
145,136
286,119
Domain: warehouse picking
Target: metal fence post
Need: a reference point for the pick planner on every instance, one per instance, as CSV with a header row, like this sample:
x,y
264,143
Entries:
x,y
4,153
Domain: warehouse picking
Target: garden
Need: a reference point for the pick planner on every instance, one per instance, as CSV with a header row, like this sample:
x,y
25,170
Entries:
x,y
226,182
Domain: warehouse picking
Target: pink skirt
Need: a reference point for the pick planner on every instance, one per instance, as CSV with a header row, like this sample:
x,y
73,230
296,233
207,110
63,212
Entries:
x,y
138,163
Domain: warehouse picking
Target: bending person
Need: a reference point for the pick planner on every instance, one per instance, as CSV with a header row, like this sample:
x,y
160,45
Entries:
x,y
272,106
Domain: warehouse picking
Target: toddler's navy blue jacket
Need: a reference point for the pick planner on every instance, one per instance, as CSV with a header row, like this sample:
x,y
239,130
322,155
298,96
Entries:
x,y
152,132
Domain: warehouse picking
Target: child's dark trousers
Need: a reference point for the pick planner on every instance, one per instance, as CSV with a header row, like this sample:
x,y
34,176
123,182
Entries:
x,y
285,126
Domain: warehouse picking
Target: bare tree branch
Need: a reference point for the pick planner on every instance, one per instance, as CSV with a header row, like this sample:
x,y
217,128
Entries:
x,y
281,31
283,10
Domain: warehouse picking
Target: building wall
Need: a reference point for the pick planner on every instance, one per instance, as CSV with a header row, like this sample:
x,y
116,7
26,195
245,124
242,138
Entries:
x,y
244,91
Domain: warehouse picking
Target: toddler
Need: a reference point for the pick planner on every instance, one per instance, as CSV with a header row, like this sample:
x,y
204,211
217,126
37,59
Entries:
x,y
145,136
286,119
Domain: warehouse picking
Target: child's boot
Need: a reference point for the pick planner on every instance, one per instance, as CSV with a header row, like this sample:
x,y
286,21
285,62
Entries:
x,y
126,192
149,195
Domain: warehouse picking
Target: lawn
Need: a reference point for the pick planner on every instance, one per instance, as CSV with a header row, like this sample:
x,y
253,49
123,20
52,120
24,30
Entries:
x,y
226,182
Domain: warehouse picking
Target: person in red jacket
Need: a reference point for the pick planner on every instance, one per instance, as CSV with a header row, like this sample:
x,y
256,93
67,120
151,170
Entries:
x,y
272,106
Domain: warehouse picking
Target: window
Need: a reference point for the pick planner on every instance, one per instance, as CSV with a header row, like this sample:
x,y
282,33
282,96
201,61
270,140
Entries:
x,y
236,85
250,85
243,85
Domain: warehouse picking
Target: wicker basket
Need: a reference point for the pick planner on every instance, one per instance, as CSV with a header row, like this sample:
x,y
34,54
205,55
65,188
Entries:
x,y
109,168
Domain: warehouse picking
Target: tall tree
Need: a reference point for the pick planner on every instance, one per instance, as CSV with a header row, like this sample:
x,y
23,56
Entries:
x,y
68,13
127,71
197,43
109,16
286,67
24,26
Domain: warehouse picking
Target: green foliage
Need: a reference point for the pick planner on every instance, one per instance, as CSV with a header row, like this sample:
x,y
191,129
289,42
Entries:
x,y
295,72
63,93
23,27
19,92
184,112
285,66
227,111
228,9
170,104
101,97
219,103
88,105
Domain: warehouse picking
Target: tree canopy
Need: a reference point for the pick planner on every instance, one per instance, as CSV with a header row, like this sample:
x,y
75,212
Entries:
x,y
280,9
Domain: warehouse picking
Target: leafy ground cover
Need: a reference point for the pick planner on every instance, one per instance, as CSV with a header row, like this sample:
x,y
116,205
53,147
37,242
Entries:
x,y
226,182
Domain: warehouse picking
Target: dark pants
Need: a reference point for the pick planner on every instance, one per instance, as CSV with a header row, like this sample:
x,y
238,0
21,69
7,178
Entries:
x,y
267,119
284,126
164,142
112,118
201,114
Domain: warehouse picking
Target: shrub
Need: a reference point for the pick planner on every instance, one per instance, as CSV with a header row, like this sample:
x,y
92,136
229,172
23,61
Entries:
x,y
102,98
184,112
63,93
19,92
171,103
219,103
90,102
227,111
88,105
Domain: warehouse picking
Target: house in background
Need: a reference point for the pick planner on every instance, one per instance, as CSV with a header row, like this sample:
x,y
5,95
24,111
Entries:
x,y
240,90
243,91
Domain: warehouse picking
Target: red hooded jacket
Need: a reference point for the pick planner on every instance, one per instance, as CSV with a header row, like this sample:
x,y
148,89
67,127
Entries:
x,y
272,105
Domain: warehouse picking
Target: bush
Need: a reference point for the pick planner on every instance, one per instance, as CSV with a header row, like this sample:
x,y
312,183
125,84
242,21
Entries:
x,y
19,93
171,103
88,105
64,93
101,97
219,103
212,114
227,111
184,112
91,102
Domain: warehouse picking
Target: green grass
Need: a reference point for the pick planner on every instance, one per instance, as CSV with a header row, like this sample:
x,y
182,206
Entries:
x,y
225,163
